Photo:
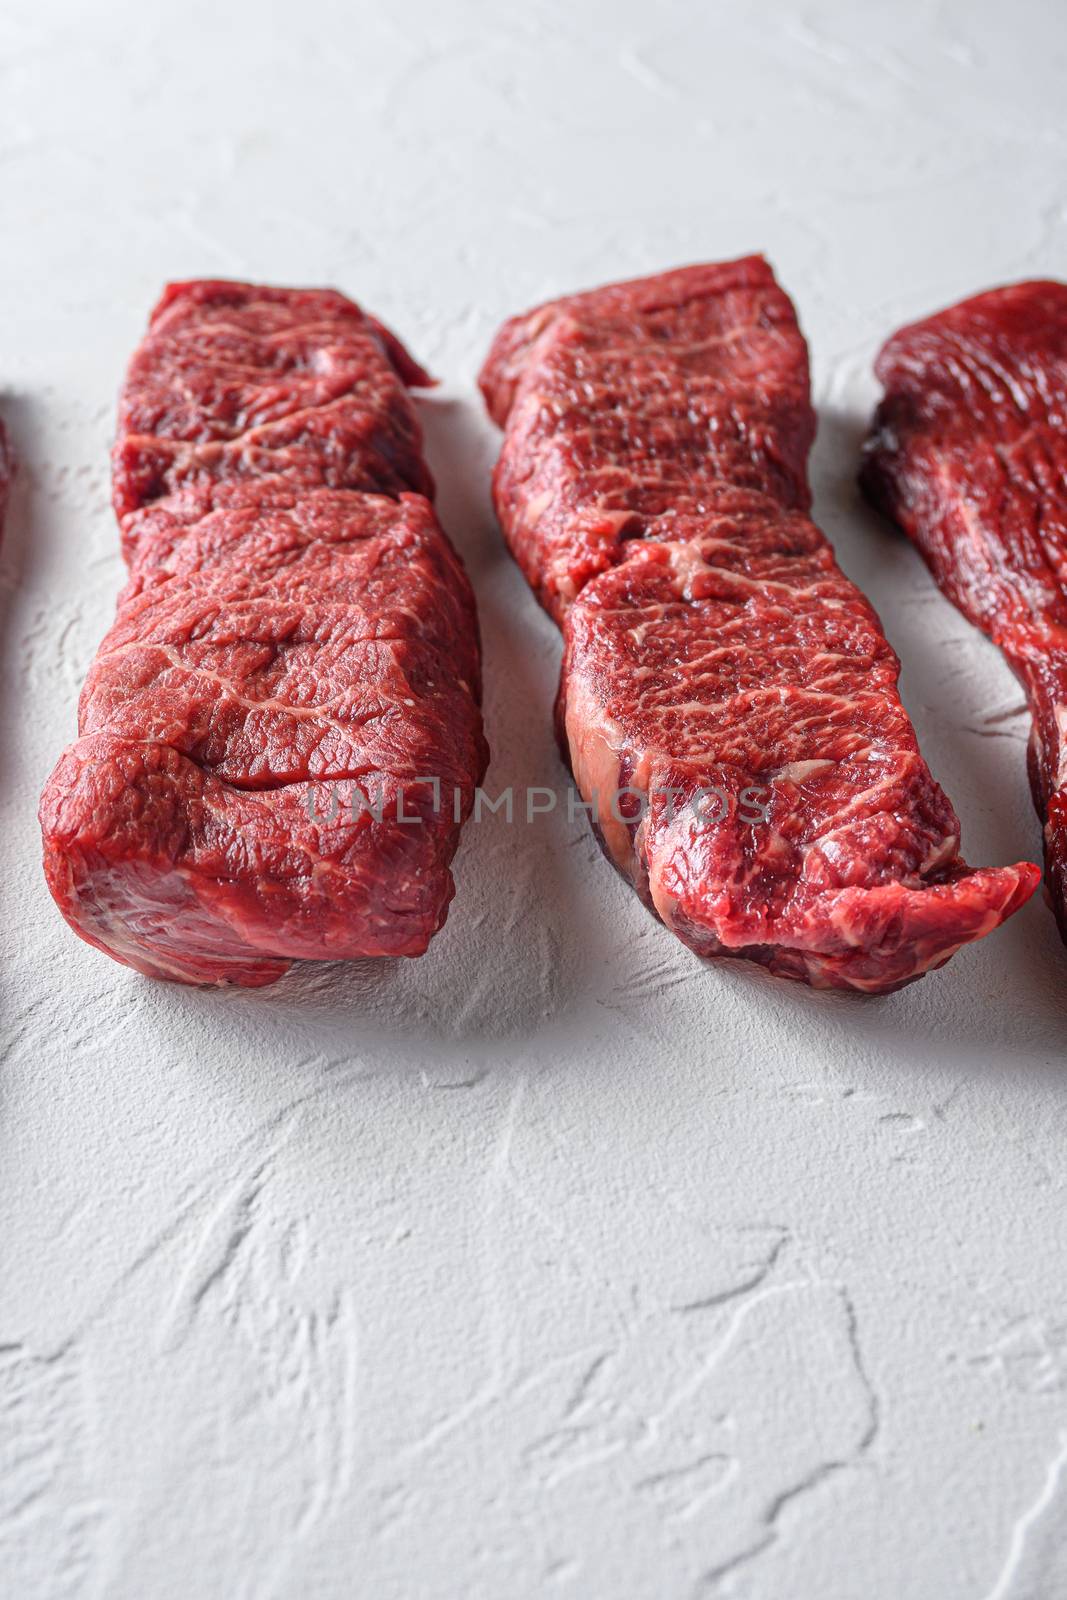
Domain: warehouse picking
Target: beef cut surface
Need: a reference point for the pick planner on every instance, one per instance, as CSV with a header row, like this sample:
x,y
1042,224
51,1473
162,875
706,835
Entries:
x,y
640,401
229,384
728,700
968,453
280,736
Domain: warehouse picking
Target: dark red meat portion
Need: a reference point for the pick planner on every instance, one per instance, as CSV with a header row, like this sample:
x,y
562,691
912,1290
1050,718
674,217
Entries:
x,y
280,737
968,453
717,664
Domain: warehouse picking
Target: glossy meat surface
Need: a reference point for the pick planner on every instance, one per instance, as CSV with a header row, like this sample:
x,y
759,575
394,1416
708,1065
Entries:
x,y
718,666
638,401
968,454
280,737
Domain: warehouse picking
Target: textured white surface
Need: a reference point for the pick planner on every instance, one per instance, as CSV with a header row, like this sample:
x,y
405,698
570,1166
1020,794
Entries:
x,y
554,1263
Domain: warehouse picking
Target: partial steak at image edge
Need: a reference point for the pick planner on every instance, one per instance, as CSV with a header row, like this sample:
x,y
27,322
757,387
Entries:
x,y
968,455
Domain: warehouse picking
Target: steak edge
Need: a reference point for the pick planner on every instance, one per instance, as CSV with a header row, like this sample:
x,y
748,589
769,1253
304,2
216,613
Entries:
x,y
7,474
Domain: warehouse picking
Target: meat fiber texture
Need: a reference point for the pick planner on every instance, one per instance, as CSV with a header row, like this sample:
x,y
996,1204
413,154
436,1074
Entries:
x,y
280,736
968,454
718,666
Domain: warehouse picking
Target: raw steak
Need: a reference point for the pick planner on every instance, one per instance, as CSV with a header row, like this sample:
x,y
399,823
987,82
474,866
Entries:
x,y
718,666
968,453
280,736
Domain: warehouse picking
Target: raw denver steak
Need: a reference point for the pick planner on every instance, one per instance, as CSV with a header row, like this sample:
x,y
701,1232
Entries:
x,y
718,665
969,454
280,736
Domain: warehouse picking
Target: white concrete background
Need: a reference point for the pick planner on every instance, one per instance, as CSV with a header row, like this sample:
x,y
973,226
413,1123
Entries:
x,y
553,1264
